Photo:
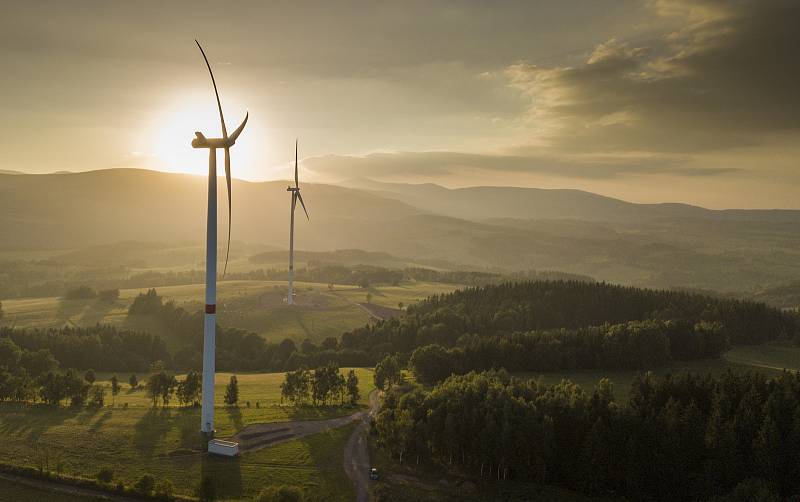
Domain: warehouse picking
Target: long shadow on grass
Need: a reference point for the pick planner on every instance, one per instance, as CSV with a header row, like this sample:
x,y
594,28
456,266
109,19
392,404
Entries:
x,y
31,421
225,474
151,429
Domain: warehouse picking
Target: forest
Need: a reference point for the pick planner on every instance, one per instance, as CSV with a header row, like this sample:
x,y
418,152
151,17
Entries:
x,y
687,437
526,306
532,325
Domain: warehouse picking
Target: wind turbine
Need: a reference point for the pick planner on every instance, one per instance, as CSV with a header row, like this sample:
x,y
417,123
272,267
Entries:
x,y
209,329
295,196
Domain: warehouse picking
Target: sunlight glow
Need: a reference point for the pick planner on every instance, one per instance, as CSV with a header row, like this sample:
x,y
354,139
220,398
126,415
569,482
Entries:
x,y
170,134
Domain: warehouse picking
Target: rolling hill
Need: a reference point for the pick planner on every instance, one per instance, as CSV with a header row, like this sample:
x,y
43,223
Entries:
x,y
486,228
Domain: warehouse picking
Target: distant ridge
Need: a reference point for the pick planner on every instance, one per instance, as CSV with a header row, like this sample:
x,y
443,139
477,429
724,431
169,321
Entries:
x,y
485,202
481,228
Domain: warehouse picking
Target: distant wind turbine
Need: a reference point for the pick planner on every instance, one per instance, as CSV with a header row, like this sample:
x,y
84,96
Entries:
x,y
295,196
209,330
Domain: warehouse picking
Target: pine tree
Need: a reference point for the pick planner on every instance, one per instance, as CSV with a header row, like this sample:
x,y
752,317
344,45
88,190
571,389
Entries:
x,y
114,388
232,392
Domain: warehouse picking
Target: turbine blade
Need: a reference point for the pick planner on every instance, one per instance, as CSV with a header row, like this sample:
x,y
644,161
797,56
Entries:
x,y
228,181
296,178
303,204
239,129
219,104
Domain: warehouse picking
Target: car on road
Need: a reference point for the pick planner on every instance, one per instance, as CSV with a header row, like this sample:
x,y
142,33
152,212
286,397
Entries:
x,y
373,474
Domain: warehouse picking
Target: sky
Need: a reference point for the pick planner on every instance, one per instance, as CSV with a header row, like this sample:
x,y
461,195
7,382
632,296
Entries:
x,y
645,100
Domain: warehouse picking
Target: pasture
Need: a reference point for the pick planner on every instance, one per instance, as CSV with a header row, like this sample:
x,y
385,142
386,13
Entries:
x,y
257,306
137,439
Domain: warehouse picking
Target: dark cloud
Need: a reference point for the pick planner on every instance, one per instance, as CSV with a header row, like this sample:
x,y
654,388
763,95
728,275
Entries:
x,y
436,164
729,75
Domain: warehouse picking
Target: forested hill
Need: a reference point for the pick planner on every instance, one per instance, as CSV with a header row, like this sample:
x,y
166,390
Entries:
x,y
554,324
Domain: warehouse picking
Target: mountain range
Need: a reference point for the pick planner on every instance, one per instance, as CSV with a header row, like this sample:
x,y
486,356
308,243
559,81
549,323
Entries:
x,y
485,228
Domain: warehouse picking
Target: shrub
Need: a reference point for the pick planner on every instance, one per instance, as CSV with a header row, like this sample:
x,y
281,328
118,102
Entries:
x,y
145,485
282,493
105,475
165,489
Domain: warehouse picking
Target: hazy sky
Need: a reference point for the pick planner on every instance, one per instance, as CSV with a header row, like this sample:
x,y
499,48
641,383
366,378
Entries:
x,y
662,100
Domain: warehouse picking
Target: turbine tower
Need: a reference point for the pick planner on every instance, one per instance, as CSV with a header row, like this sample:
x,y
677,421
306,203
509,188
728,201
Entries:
x,y
209,329
295,196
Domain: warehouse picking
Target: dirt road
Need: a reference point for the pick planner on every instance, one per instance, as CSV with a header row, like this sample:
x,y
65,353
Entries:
x,y
258,436
356,454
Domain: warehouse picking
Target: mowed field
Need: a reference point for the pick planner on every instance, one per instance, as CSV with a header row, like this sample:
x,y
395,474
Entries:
x,y
258,306
137,439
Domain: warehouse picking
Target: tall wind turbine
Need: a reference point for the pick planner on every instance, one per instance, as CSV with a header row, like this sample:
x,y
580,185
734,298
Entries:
x,y
209,329
295,196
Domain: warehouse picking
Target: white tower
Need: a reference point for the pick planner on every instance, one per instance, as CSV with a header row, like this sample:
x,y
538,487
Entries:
x,y
210,326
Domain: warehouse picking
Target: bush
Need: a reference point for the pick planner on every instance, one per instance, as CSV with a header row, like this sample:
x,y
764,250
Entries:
x,y
145,485
282,493
108,295
165,489
80,293
105,475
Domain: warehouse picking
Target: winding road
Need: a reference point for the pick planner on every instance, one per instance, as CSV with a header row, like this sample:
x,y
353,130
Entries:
x,y
356,454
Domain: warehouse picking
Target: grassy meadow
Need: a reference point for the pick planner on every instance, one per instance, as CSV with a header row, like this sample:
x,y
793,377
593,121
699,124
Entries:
x,y
137,439
257,306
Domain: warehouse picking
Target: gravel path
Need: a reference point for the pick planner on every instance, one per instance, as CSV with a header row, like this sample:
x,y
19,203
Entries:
x,y
356,454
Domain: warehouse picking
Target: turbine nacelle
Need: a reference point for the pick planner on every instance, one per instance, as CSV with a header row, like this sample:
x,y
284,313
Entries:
x,y
200,141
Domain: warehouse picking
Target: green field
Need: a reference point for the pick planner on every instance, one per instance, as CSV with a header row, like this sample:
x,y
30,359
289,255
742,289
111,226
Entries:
x,y
165,442
257,306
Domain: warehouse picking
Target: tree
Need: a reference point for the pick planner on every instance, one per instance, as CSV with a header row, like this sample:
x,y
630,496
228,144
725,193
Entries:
x,y
190,388
38,362
369,297
115,388
1,311
296,386
352,387
97,395
133,382
10,353
400,305
387,373
232,392
161,385
145,484
89,376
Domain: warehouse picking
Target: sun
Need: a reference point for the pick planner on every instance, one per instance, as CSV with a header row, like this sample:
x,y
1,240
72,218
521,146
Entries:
x,y
172,130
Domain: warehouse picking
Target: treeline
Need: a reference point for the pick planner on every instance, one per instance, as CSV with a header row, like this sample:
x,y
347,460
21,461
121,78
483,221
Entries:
x,y
688,437
631,345
100,347
520,307
320,386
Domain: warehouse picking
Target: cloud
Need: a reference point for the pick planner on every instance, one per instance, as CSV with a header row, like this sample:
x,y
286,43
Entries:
x,y
419,165
721,81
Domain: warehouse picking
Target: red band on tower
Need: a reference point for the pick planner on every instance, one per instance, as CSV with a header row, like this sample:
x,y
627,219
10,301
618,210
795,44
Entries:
x,y
211,309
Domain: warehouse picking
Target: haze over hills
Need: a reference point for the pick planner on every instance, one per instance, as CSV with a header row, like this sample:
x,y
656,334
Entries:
x,y
505,228
484,202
